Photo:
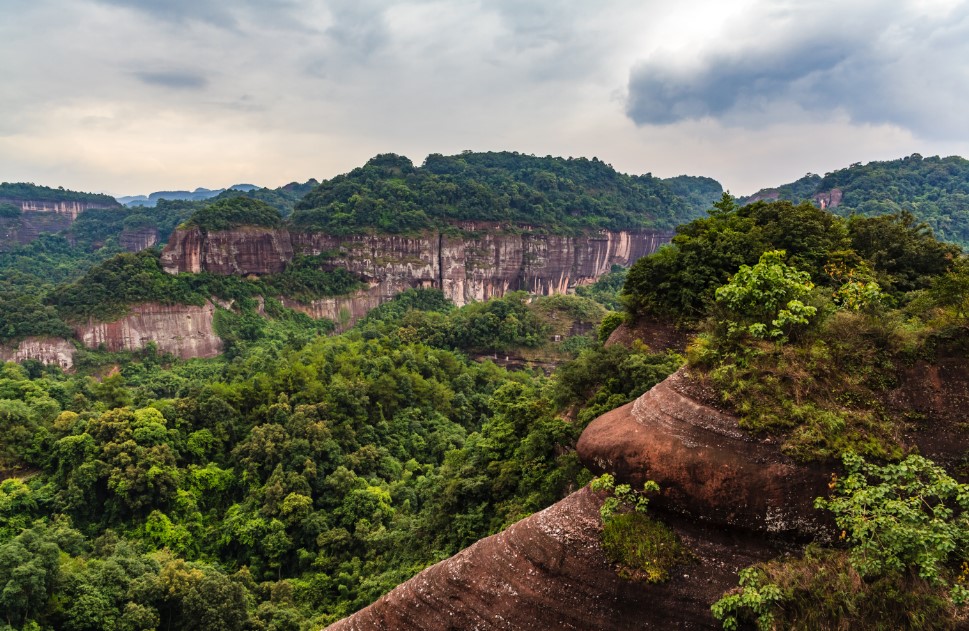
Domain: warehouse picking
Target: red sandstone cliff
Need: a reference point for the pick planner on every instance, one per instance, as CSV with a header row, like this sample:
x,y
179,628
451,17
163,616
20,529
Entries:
x,y
483,263
182,330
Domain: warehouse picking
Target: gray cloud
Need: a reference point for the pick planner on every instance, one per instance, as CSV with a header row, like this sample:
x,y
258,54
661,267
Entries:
x,y
213,12
882,64
180,80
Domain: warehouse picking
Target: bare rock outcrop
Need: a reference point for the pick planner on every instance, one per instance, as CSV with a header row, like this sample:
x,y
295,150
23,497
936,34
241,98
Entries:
x,y
138,239
548,571
47,350
472,262
239,251
185,331
40,217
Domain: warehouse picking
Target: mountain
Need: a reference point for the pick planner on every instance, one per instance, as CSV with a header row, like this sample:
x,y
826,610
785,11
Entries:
x,y
198,194
935,190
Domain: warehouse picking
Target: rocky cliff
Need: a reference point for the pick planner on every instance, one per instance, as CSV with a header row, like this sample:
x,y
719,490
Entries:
x,y
47,350
40,217
185,331
548,571
471,262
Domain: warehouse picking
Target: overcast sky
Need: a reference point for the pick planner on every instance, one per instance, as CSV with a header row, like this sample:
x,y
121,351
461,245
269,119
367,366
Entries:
x,y
133,96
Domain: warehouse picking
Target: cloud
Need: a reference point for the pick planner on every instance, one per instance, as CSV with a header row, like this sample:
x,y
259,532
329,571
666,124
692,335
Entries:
x,y
179,80
884,63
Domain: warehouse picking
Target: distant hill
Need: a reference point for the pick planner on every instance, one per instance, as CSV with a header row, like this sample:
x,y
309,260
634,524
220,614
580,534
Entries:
x,y
935,190
28,191
390,194
198,194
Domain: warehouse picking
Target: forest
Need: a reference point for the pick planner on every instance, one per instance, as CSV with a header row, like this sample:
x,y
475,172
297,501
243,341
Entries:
x,y
935,190
390,194
301,475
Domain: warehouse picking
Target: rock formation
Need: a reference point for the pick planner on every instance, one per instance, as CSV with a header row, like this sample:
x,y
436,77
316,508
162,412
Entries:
x,y
47,350
706,465
722,493
40,217
548,571
185,331
472,262
138,239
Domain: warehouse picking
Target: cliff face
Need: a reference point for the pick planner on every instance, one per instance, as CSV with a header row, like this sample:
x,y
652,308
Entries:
x,y
706,466
39,217
47,350
482,263
184,330
240,251
138,239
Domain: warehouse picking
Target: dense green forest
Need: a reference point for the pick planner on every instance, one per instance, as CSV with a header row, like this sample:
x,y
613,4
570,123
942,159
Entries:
x,y
390,194
295,479
935,190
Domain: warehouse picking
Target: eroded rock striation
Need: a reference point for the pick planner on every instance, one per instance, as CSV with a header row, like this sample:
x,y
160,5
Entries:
x,y
185,331
548,571
468,263
54,351
708,468
40,217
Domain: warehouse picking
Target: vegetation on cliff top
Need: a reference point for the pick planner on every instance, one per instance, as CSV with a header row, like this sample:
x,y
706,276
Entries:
x,y
24,191
107,290
935,190
390,194
232,212
807,342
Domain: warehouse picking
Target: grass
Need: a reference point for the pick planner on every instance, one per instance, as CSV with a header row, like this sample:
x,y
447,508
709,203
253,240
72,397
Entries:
x,y
642,548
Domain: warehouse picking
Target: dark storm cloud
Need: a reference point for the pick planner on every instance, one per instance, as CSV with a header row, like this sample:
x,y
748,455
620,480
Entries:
x,y
883,65
173,79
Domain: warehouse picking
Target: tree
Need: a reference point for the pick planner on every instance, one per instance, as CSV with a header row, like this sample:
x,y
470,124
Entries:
x,y
764,300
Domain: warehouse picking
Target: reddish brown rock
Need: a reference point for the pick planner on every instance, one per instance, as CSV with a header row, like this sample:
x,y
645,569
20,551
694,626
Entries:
x,y
239,251
829,199
548,571
183,330
705,465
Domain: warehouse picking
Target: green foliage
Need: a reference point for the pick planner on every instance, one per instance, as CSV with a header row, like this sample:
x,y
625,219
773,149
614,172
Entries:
x,y
903,252
907,515
107,290
31,191
755,600
906,526
935,190
679,280
952,288
606,289
390,194
233,212
763,301
641,547
9,211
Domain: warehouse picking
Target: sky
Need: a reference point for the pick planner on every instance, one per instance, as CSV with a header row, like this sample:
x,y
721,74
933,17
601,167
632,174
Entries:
x,y
134,96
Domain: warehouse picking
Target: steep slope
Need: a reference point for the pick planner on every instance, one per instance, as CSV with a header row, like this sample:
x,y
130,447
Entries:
x,y
548,571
